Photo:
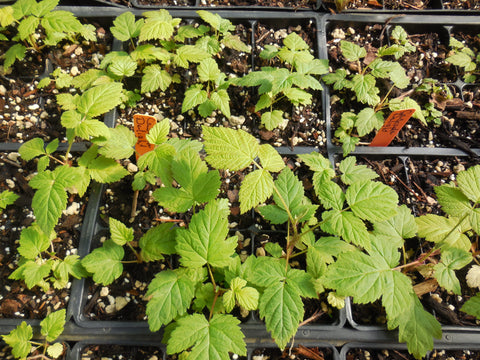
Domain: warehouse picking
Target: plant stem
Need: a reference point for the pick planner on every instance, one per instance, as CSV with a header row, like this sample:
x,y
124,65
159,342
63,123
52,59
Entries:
x,y
134,205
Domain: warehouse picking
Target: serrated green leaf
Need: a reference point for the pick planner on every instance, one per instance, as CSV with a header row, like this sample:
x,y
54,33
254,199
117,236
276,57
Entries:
x,y
273,213
31,149
50,199
407,103
33,242
60,22
234,42
158,241
208,340
125,27
322,252
453,200
119,232
208,70
7,197
351,51
15,52
55,350
443,230
228,148
452,259
18,339
221,99
100,99
6,16
319,164
189,53
124,66
205,240
401,226
159,132
352,173
105,170
330,194
34,274
372,201
346,225
368,120
27,27
270,158
120,144
194,96
271,119
417,328
399,77
337,78
459,59
256,187
190,32
150,53
381,68
472,306
52,325
159,25
171,295
105,263
154,78
365,88
282,308
22,8
469,183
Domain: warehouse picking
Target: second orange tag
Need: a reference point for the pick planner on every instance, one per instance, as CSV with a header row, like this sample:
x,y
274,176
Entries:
x,y
391,127
141,126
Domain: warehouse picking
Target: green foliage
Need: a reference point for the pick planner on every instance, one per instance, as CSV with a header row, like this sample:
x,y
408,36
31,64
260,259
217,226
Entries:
x,y
7,198
292,82
364,82
19,339
38,26
463,57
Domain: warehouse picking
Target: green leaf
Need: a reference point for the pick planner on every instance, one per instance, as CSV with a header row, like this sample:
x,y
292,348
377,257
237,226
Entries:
x,y
365,88
351,51
330,194
416,328
100,99
159,132
50,199
319,164
208,70
469,182
228,148
337,78
381,68
154,78
256,187
207,340
32,149
52,325
171,294
33,242
27,27
272,119
23,8
6,16
189,53
368,120
270,158
222,101
472,306
234,42
459,59
453,200
125,27
444,231
352,173
205,240
372,201
322,252
452,259
159,25
346,225
158,241
34,274
150,53
282,308
190,32
194,96
106,170
7,197
18,339
105,263
408,103
247,297
55,350
119,233
401,226
120,144
124,66
216,21
298,96
15,52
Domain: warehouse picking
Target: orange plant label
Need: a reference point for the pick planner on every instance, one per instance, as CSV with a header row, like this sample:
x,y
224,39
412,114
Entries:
x,y
391,127
141,126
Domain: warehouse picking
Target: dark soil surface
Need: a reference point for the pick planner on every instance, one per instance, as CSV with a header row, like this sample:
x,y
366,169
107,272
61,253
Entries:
x,y
16,301
167,2
121,352
455,354
299,352
266,3
461,4
378,354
